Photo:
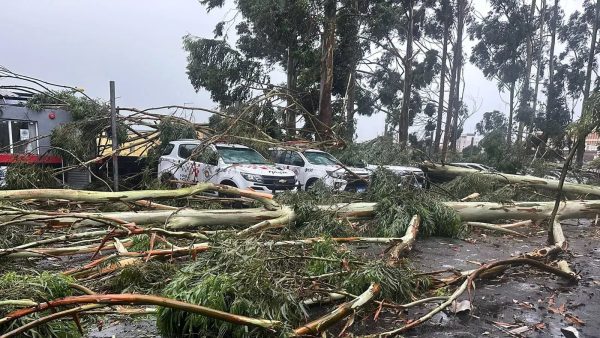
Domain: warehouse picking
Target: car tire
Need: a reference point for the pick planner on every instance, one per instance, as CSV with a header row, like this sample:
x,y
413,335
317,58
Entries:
x,y
229,184
166,179
310,184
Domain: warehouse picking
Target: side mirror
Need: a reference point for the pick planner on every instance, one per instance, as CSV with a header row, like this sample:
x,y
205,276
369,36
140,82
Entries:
x,y
298,162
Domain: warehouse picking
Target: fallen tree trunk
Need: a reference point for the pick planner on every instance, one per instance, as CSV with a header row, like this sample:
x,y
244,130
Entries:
x,y
406,242
190,218
137,299
448,171
323,323
131,196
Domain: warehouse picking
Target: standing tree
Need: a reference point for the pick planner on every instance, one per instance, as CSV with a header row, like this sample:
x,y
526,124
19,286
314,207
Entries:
x,y
444,15
454,74
502,42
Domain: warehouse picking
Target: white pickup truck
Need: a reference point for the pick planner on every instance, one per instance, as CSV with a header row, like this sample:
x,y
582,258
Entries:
x,y
313,165
229,164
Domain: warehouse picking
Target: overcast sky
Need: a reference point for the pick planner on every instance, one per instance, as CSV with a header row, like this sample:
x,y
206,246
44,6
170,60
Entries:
x,y
138,44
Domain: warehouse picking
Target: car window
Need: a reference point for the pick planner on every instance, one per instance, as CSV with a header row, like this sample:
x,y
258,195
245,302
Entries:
x,y
240,156
168,149
293,158
186,150
320,158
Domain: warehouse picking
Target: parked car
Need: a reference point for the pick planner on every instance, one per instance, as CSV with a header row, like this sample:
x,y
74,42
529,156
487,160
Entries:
x,y
313,165
229,164
476,166
412,175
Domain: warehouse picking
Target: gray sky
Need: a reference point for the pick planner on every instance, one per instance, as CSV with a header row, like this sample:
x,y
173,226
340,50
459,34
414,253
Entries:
x,y
138,44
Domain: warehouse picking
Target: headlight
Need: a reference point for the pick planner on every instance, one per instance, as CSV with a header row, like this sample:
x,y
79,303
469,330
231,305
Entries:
x,y
252,177
336,173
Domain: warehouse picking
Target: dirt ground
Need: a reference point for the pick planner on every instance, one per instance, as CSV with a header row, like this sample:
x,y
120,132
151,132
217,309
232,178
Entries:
x,y
522,302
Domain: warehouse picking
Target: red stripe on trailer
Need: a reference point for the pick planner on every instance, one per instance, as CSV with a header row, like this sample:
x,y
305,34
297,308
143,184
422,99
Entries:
x,y
29,158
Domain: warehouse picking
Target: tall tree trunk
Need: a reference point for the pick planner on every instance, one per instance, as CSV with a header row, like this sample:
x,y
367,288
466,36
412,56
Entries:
x,y
588,78
327,46
525,92
553,40
457,106
456,61
511,114
290,113
440,112
551,62
404,112
539,65
350,98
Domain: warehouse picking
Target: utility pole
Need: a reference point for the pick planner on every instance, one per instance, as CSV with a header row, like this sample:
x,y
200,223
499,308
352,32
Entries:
x,y
113,129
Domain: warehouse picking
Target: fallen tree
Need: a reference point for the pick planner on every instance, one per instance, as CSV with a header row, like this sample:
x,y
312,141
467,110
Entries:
x,y
448,172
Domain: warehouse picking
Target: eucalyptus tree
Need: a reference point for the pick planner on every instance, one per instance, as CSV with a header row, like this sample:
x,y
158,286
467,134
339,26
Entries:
x,y
580,34
444,15
502,37
403,66
457,61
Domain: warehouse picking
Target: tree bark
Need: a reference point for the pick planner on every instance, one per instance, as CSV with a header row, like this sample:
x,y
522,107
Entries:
x,y
552,44
327,46
323,323
511,114
440,112
456,61
407,88
290,116
539,65
525,95
588,77
350,99
457,107
446,172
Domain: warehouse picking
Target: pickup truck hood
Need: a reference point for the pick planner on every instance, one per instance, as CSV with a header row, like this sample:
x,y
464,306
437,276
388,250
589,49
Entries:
x,y
358,171
262,169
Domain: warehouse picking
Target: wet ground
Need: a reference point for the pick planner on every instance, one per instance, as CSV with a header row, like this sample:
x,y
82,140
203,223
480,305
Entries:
x,y
522,302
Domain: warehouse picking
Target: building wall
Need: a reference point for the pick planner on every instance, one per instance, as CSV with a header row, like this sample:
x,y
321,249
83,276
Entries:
x,y
44,123
467,140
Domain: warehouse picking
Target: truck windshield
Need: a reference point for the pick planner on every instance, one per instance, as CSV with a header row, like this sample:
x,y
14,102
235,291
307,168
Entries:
x,y
240,156
320,158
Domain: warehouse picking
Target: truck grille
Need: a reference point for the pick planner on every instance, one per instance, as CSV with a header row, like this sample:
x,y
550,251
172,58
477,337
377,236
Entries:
x,y
279,183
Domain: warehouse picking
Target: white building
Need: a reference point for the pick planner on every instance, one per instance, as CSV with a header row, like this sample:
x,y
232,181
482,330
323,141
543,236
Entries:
x,y
466,140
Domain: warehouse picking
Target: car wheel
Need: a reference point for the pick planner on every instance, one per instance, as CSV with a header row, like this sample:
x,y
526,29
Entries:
x,y
229,184
166,179
310,184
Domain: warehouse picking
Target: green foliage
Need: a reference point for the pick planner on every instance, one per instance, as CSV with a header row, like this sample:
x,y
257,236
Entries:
x,y
39,288
398,283
326,249
22,175
378,151
238,278
220,69
312,221
149,277
465,185
76,141
497,153
397,204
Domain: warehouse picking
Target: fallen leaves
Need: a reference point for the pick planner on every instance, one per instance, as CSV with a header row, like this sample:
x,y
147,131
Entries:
x,y
574,320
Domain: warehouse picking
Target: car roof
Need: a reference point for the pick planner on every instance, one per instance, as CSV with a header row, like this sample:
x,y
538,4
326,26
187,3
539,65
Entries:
x,y
194,141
